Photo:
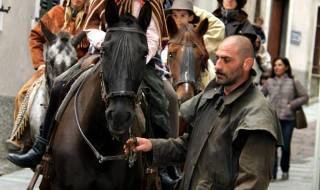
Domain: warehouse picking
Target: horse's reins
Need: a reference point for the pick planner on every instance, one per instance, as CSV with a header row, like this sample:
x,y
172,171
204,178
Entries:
x,y
131,155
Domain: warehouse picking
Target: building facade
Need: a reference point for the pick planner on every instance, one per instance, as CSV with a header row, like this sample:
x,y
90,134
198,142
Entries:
x,y
293,31
15,62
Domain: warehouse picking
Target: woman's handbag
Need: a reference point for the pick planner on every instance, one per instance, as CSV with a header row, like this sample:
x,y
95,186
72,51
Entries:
x,y
301,120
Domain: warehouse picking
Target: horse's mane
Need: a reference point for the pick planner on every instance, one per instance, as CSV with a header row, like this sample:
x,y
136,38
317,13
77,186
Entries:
x,y
128,18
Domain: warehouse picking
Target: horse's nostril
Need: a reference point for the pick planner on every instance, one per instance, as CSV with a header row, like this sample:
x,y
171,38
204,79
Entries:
x,y
128,116
109,114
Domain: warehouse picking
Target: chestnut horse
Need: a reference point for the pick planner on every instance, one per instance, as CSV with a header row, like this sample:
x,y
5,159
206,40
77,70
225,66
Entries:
x,y
187,57
87,149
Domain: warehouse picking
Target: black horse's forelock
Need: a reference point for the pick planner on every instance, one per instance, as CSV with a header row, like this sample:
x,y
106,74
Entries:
x,y
122,52
128,19
123,59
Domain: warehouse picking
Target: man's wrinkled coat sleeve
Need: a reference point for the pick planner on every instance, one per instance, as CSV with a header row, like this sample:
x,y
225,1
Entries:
x,y
255,166
173,151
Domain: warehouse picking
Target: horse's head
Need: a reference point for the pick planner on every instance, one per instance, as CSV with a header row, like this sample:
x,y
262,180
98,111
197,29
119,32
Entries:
x,y
123,59
187,57
61,53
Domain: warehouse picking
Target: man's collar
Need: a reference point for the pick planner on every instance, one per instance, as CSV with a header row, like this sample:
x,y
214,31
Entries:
x,y
214,89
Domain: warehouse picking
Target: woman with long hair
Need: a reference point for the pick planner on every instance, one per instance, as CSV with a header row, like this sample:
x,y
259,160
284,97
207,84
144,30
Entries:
x,y
286,94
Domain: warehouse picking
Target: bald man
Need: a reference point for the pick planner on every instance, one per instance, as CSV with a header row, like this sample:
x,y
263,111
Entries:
x,y
233,131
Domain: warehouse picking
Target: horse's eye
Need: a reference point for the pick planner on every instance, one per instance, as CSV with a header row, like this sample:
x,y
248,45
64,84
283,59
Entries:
x,y
194,45
102,51
171,54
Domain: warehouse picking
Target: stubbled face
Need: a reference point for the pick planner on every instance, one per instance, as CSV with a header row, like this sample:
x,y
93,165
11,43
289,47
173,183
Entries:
x,y
229,68
229,4
279,68
78,4
181,17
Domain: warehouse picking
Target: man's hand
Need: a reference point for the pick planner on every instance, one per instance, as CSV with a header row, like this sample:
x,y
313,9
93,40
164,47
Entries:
x,y
141,144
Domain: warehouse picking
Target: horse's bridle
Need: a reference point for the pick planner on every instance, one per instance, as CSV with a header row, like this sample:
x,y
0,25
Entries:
x,y
131,94
131,157
192,81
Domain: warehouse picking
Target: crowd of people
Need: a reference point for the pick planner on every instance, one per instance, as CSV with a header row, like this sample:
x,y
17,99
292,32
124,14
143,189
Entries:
x,y
235,125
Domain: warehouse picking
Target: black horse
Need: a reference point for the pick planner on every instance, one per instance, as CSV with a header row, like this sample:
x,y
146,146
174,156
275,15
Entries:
x,y
87,148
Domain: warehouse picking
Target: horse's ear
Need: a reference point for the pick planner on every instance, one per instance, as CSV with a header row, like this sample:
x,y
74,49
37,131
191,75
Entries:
x,y
51,37
145,15
111,12
202,27
172,26
78,38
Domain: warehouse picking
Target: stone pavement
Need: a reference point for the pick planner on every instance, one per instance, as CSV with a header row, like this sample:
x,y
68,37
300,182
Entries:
x,y
18,180
301,170
302,152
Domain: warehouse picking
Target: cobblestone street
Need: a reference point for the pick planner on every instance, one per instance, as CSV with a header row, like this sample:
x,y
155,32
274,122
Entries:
x,y
301,170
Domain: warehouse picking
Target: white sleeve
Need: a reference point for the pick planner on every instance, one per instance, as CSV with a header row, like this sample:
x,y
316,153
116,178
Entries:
x,y
153,38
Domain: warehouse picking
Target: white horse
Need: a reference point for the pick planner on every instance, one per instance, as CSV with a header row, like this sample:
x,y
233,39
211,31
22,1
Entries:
x,y
60,56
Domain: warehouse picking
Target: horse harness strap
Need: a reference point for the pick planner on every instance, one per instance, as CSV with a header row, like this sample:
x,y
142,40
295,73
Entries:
x,y
125,29
132,156
106,96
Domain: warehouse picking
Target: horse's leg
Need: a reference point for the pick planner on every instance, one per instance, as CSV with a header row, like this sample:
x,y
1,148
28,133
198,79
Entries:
x,y
173,108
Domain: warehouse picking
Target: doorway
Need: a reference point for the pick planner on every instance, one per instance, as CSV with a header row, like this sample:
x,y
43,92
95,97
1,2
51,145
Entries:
x,y
278,28
315,76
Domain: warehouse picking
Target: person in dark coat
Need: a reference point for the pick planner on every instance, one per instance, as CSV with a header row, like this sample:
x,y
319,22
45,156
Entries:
x,y
233,130
235,19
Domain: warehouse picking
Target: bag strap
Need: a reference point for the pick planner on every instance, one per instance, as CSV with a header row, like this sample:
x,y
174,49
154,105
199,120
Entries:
x,y
295,88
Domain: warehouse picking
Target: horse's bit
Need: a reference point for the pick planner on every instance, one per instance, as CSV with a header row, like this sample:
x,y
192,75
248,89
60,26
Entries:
x,y
132,156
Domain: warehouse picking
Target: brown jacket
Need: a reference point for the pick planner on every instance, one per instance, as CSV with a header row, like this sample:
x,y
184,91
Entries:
x,y
232,142
54,20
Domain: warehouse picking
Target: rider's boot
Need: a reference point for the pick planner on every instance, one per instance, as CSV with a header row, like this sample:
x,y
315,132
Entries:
x,y
33,157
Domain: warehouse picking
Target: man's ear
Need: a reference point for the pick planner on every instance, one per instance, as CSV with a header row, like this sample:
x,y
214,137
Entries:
x,y
248,64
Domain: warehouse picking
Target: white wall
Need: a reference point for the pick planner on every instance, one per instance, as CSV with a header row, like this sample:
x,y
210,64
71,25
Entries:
x,y
302,18
250,9
15,63
209,5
